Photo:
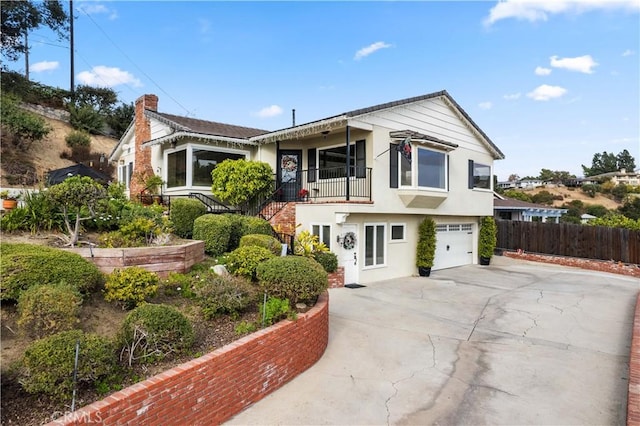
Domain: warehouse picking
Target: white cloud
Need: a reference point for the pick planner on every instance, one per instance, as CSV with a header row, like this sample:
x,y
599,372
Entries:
x,y
103,76
512,96
546,92
582,64
44,66
485,105
542,71
270,111
98,9
628,52
540,10
366,51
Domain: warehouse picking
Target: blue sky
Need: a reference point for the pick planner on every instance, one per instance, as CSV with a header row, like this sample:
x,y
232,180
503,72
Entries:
x,y
550,82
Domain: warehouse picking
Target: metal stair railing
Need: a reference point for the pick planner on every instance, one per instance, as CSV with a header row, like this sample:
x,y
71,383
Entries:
x,y
213,205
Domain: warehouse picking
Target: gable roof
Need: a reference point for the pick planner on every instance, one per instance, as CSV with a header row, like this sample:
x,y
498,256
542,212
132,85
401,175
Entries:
x,y
205,127
341,120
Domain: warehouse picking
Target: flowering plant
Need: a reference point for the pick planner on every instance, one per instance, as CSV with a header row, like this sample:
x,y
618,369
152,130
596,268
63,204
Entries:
x,y
303,193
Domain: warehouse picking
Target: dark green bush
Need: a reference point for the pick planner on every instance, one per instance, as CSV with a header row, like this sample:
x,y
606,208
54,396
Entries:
x,y
87,119
243,261
245,225
25,265
219,294
269,242
131,286
78,138
215,231
184,211
257,225
327,259
295,278
47,365
47,309
154,332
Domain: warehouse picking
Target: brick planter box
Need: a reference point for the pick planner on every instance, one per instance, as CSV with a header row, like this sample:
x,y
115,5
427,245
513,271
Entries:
x,y
215,387
159,259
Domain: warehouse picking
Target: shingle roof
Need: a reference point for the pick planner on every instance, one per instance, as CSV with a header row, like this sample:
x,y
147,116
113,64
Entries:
x,y
209,127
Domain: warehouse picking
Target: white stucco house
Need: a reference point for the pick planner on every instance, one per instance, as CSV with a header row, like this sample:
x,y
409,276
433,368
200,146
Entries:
x,y
361,180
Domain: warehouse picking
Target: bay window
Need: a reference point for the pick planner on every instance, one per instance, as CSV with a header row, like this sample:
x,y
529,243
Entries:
x,y
192,165
425,168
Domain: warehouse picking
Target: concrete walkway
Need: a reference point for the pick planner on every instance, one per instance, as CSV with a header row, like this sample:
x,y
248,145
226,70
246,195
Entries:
x,y
512,343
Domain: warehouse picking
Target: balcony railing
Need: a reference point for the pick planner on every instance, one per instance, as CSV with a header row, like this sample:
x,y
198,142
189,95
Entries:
x,y
327,184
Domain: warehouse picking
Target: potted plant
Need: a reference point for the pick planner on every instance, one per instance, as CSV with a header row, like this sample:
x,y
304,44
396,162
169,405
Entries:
x,y
426,250
9,202
303,194
487,239
152,189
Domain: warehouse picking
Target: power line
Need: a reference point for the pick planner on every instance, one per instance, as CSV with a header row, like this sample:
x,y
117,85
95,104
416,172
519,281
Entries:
x,y
134,64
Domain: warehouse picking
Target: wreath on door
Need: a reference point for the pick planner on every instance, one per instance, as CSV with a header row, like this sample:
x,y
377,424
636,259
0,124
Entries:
x,y
349,241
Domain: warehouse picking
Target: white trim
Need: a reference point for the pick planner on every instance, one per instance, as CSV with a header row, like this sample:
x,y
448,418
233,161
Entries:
x,y
404,233
200,136
321,225
364,246
414,170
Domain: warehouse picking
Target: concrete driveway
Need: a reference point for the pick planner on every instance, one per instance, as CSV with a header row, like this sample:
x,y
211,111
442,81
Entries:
x,y
512,343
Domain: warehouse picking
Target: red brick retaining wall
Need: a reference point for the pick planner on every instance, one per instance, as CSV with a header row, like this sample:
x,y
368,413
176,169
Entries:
x,y
336,279
159,259
215,387
633,400
594,265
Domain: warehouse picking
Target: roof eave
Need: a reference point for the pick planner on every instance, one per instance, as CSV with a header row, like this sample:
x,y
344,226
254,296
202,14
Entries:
x,y
174,137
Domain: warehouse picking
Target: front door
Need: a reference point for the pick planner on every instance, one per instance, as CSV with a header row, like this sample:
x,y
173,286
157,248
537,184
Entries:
x,y
349,259
289,174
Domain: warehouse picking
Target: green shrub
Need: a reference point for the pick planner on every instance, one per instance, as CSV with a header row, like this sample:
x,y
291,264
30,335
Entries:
x,y
140,232
25,265
487,237
275,310
426,247
184,211
257,225
218,294
215,231
245,225
47,309
269,242
131,286
47,365
292,277
78,138
327,259
86,118
237,181
243,261
177,284
154,332
307,244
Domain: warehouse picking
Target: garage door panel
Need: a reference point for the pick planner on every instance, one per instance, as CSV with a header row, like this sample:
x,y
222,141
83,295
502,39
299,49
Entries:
x,y
454,245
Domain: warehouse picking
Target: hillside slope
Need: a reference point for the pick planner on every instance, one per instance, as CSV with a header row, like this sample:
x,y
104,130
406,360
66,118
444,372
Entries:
x,y
45,154
570,194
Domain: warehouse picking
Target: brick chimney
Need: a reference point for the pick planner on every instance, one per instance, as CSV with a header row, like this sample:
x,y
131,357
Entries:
x,y
142,130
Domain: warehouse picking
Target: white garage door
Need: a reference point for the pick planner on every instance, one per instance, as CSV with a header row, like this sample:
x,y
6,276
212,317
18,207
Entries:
x,y
454,245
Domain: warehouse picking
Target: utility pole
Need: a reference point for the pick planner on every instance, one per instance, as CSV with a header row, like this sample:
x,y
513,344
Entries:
x,y
72,89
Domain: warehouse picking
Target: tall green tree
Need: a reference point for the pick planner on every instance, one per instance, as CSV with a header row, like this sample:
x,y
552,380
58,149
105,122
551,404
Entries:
x,y
609,162
626,161
19,17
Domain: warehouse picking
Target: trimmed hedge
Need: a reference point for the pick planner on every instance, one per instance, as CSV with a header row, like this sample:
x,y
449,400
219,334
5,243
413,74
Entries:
x,y
269,242
47,365
47,309
215,231
130,286
154,332
295,278
245,225
219,294
25,265
184,211
327,259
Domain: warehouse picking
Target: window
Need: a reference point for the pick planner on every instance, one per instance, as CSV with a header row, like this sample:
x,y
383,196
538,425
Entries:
x,y
205,161
332,161
374,244
192,165
397,232
479,175
323,232
429,171
124,174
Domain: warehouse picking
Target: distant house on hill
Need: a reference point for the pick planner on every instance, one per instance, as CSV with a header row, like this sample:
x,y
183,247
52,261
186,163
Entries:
x,y
622,176
511,209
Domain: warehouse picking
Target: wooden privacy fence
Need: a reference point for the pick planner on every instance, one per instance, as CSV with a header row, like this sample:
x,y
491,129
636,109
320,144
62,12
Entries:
x,y
566,239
